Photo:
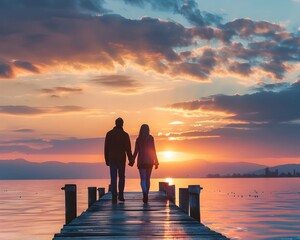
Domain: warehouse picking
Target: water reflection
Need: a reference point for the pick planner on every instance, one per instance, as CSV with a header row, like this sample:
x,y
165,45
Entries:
x,y
238,208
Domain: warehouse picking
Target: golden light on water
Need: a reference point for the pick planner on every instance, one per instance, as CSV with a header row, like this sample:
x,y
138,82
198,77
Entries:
x,y
169,181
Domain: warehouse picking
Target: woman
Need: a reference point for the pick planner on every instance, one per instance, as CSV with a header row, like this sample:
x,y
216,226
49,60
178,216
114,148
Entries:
x,y
145,149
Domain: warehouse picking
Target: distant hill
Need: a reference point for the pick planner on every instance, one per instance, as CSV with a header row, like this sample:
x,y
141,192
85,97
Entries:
x,y
200,168
22,169
287,168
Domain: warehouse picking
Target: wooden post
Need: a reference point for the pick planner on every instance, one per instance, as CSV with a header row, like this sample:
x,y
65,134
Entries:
x,y
109,188
194,199
92,195
170,191
184,199
70,202
101,192
163,186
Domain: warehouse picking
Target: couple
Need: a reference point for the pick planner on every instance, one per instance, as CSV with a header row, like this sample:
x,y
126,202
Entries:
x,y
117,145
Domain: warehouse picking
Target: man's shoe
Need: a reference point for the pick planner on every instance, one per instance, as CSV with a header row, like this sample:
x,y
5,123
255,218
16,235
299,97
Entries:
x,y
114,199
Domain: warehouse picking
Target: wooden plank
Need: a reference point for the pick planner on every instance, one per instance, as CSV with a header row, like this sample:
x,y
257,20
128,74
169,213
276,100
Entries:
x,y
133,219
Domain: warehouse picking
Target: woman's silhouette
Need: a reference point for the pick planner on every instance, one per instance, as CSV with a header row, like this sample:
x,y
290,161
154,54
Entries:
x,y
147,158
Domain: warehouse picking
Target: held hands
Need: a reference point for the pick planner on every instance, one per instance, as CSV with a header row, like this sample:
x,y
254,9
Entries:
x,y
156,166
131,163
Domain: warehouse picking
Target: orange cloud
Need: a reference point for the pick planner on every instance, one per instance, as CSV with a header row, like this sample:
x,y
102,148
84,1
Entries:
x,y
84,35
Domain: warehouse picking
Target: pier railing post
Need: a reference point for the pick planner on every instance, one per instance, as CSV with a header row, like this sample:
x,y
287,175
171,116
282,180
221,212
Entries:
x,y
101,192
92,195
109,188
170,191
194,199
162,186
70,202
184,199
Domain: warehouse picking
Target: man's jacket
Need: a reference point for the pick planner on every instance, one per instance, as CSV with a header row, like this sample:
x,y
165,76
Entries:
x,y
116,146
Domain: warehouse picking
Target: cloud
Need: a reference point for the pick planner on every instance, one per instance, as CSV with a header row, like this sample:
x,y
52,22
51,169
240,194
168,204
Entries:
x,y
272,87
6,71
27,66
35,111
69,6
23,130
54,146
244,69
188,9
119,83
246,28
263,106
83,34
60,91
176,123
263,124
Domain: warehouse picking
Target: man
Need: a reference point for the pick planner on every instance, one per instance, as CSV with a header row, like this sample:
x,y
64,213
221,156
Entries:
x,y
116,146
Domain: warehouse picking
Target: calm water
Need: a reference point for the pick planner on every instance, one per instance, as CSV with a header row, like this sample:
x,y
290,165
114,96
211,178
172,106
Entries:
x,y
238,208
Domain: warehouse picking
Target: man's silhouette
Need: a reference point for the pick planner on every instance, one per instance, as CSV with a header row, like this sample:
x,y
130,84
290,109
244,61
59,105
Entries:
x,y
117,145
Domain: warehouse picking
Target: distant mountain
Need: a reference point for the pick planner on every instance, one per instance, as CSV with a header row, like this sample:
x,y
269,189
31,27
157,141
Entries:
x,y
285,169
201,168
22,169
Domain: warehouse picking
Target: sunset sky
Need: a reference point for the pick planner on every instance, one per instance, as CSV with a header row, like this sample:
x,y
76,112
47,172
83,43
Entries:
x,y
215,80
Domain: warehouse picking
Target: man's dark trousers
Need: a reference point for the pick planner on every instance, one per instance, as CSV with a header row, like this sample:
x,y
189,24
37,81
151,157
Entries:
x,y
116,169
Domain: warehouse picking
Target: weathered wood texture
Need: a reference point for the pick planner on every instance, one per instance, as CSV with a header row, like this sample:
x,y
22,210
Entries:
x,y
92,195
101,192
184,199
70,202
159,219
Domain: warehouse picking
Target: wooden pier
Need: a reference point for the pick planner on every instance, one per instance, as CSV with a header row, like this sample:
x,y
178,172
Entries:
x,y
132,219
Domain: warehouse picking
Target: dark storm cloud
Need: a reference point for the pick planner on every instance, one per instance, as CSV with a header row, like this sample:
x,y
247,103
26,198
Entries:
x,y
264,106
33,111
82,33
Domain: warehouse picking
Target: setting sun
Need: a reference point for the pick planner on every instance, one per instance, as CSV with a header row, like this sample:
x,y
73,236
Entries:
x,y
169,154
172,156
169,181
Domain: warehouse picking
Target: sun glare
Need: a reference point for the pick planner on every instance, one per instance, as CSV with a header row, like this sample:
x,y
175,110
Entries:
x,y
172,156
169,154
169,181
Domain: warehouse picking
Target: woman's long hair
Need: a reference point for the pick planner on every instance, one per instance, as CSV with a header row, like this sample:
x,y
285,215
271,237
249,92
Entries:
x,y
144,131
